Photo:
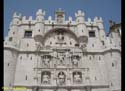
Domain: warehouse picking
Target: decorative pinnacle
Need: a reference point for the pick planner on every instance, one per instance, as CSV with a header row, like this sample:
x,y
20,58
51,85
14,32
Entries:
x,y
98,19
16,16
70,18
50,18
40,12
79,13
89,20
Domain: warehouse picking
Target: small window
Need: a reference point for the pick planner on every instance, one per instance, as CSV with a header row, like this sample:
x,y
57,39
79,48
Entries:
x,y
91,33
27,55
62,37
112,64
20,57
99,58
28,34
77,45
111,53
31,58
52,24
27,44
90,58
78,20
10,84
111,35
103,43
95,78
92,45
110,41
10,39
70,43
65,43
111,84
13,32
8,64
26,77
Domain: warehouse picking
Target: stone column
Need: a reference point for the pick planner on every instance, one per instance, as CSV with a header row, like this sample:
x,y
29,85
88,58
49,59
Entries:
x,y
52,78
68,77
71,77
83,77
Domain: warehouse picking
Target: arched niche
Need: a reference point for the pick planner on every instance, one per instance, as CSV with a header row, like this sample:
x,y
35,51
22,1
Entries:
x,y
45,77
77,77
61,78
60,37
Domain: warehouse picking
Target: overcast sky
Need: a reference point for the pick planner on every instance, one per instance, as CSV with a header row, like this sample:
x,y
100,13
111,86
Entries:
x,y
107,9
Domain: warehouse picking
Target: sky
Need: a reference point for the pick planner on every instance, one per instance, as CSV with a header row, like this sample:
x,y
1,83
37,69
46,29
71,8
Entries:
x,y
107,9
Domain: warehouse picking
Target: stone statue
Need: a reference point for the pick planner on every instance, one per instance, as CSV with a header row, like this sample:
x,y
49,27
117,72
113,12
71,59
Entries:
x,y
77,78
61,60
61,78
60,37
46,79
75,62
38,46
46,62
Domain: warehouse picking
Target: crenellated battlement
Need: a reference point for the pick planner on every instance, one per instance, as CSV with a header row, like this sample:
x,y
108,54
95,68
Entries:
x,y
40,26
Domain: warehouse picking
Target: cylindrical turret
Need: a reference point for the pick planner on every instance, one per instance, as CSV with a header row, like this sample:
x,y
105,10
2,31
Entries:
x,y
13,30
99,22
39,26
81,29
80,21
115,34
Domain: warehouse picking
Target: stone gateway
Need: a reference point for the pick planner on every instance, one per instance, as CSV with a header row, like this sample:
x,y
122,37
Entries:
x,y
62,55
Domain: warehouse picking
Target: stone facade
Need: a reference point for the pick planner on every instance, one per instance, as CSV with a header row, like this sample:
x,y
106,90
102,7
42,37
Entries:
x,y
61,55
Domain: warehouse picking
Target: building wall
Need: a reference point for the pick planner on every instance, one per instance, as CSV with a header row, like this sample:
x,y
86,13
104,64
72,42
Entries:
x,y
98,57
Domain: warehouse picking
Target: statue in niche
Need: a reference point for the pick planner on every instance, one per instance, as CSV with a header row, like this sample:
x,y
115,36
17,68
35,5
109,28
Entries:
x,y
38,46
46,61
77,77
61,78
61,60
46,78
75,61
60,36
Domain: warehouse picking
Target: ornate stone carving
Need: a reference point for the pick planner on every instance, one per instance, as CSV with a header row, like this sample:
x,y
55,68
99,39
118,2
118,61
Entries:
x,y
61,78
77,77
38,46
46,60
61,60
46,77
75,60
